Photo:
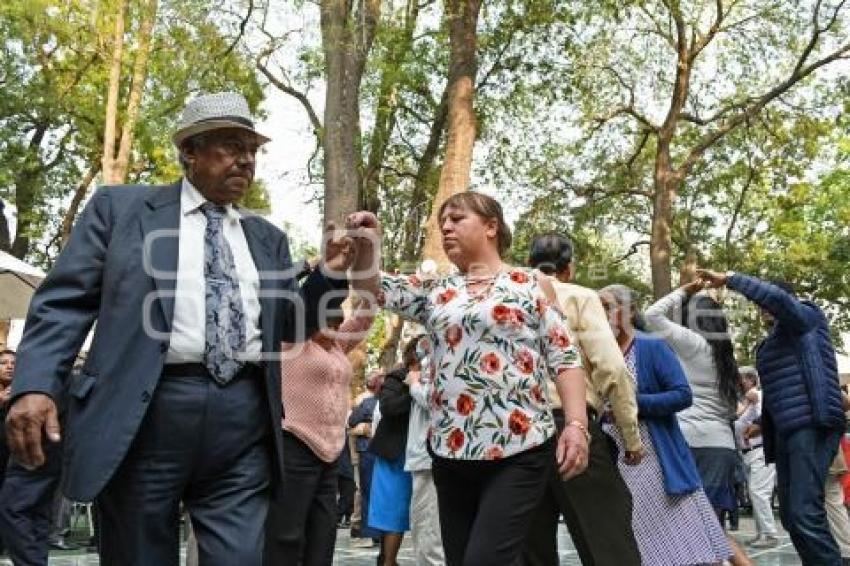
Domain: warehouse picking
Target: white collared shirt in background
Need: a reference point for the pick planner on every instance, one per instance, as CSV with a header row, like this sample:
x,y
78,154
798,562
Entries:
x,y
188,336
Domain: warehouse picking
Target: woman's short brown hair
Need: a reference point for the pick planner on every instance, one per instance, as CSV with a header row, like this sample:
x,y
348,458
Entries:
x,y
487,208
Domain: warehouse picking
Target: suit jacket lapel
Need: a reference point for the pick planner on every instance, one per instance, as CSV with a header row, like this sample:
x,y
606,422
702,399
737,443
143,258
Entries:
x,y
161,243
265,263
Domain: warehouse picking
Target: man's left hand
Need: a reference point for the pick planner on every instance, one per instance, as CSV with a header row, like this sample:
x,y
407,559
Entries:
x,y
571,453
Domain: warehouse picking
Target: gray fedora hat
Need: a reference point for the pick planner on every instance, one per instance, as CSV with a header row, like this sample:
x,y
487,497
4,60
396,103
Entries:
x,y
214,112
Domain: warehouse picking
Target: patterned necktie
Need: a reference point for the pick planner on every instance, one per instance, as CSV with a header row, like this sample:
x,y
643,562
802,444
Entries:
x,y
225,317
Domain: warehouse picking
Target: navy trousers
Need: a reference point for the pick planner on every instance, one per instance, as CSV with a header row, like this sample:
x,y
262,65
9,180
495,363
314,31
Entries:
x,y
301,524
802,464
26,502
367,464
208,446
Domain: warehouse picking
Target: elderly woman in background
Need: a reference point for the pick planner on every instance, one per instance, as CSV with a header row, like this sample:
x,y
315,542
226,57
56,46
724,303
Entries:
x,y
673,521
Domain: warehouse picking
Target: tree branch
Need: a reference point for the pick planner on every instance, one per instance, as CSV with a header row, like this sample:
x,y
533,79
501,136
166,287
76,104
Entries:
x,y
242,25
800,72
739,205
297,95
633,249
702,42
644,138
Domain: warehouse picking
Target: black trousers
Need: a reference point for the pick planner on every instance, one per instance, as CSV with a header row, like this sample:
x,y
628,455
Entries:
x,y
346,490
301,526
26,504
485,506
596,505
208,446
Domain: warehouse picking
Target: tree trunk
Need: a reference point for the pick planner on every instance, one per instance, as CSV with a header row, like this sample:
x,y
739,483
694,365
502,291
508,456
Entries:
x,y
346,40
137,88
424,181
463,65
27,183
666,183
5,236
111,124
76,200
389,349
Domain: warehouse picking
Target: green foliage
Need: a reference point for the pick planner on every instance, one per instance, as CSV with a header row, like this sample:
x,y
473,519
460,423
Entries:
x,y
257,198
599,255
54,71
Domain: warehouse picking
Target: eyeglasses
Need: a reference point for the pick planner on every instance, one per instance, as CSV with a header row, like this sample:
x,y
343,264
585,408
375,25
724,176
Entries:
x,y
237,148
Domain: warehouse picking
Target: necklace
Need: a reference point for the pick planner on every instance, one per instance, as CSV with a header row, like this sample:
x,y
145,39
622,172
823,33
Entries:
x,y
475,280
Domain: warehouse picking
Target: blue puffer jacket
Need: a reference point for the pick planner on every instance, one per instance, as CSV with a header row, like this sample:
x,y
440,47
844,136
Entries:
x,y
796,363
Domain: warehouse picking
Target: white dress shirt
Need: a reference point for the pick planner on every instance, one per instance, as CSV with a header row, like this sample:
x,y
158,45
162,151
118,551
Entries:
x,y
748,417
188,336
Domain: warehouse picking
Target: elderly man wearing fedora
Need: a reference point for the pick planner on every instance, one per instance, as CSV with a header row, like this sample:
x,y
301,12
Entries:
x,y
179,398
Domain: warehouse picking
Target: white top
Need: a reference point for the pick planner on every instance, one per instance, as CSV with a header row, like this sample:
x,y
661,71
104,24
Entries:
x,y
751,413
706,423
188,326
416,455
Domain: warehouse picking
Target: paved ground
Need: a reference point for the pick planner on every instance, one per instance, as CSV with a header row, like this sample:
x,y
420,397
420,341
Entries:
x,y
783,555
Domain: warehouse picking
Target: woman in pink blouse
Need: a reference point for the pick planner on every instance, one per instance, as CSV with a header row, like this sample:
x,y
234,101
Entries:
x,y
496,340
315,375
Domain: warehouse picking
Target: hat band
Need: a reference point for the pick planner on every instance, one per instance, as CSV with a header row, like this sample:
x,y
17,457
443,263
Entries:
x,y
239,119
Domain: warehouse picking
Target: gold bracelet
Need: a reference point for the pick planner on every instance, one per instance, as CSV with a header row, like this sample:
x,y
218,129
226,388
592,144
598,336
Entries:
x,y
579,425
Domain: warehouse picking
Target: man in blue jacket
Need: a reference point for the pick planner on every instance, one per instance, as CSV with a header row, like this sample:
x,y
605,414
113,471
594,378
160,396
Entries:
x,y
802,415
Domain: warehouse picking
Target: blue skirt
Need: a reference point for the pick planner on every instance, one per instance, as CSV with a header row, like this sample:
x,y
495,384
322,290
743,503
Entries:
x,y
389,502
717,470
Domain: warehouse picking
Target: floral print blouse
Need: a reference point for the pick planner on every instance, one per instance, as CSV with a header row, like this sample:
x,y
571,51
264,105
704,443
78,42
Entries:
x,y
491,358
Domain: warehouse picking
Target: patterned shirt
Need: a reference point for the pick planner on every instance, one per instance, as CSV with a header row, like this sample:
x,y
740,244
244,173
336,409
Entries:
x,y
491,359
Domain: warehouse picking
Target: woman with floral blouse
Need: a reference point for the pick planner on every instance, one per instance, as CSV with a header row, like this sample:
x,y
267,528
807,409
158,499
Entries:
x,y
496,340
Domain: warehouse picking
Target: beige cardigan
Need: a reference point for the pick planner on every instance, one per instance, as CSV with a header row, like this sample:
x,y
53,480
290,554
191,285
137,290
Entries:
x,y
608,378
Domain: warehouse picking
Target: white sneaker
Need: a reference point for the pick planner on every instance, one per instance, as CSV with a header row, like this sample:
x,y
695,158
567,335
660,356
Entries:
x,y
765,542
362,543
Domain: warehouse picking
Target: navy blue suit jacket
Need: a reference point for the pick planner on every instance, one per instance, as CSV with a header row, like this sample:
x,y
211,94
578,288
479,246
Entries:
x,y
107,274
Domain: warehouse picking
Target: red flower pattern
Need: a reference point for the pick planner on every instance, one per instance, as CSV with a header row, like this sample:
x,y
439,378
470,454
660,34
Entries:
x,y
465,404
446,296
519,276
453,336
491,363
525,361
519,422
517,318
455,440
559,337
501,314
513,403
537,394
494,453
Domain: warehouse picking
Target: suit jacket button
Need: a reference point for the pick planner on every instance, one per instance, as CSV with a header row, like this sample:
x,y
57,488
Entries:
x,y
163,347
146,397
